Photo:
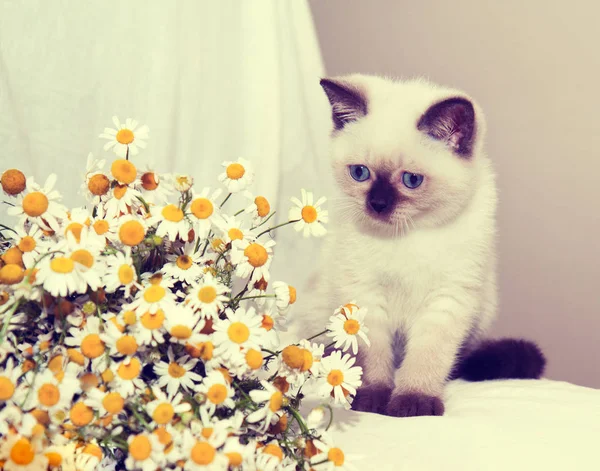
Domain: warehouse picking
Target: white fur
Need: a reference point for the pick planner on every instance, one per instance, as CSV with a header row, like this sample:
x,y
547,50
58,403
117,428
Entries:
x,y
429,275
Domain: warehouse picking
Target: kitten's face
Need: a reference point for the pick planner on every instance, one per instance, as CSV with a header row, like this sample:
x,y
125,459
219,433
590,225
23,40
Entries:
x,y
403,153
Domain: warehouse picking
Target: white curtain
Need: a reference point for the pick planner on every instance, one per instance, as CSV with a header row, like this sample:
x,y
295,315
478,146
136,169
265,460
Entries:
x,y
214,81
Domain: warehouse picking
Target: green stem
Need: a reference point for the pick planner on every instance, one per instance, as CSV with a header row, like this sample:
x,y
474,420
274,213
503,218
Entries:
x,y
318,335
7,319
298,418
140,418
7,228
254,297
225,200
239,212
277,227
266,220
245,396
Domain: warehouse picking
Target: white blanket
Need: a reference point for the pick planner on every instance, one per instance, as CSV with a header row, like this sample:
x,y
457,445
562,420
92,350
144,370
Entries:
x,y
494,425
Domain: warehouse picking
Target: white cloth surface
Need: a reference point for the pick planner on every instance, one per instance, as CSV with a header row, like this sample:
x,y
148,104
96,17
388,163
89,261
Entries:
x,y
214,81
489,426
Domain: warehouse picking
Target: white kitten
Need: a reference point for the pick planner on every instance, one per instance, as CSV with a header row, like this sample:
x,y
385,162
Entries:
x,y
412,237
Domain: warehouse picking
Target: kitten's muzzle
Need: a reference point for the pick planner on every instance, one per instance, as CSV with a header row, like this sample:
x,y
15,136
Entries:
x,y
382,197
378,205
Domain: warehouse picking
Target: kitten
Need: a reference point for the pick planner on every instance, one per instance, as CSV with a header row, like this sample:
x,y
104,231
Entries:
x,y
412,238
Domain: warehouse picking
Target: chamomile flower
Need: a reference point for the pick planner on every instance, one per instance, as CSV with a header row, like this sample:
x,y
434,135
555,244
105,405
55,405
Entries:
x,y
238,175
164,408
201,454
90,343
120,273
177,373
96,183
170,221
155,188
105,402
49,394
238,454
208,296
201,346
241,329
126,376
40,205
339,377
183,324
106,228
231,229
126,138
85,252
309,215
259,207
299,362
182,182
217,391
346,328
145,452
185,266
30,243
285,295
152,297
119,342
331,457
58,276
123,199
8,381
203,211
12,181
19,453
252,258
271,400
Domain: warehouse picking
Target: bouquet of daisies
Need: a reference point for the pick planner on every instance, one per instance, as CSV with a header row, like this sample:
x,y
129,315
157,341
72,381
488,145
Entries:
x,y
141,331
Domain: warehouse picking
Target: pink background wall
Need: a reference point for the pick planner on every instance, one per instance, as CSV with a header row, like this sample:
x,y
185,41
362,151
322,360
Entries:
x,y
534,67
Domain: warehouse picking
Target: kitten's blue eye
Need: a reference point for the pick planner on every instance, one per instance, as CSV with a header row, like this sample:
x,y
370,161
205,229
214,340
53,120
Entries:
x,y
359,172
412,180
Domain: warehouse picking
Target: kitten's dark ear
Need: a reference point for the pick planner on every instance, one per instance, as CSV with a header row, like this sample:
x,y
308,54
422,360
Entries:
x,y
348,103
451,121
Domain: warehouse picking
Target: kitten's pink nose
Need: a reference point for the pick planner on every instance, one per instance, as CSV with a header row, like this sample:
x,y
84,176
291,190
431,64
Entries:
x,y
378,204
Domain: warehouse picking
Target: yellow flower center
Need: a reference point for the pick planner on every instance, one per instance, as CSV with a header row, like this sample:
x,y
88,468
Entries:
x,y
207,432
307,360
7,388
131,233
351,326
217,244
27,244
101,227
62,265
11,274
125,136
172,213
235,234
13,255
153,321
149,181
22,452
336,456
292,294
335,377
184,262
54,459
293,356
203,453
129,317
123,171
163,414
119,191
254,359
75,356
267,322
238,332
262,206
140,448
113,403
93,450
206,351
83,257
125,274
164,437
131,370
309,214
202,208
235,171
257,255
126,345
276,401
99,184
154,293
272,449
235,459
92,346
217,393
81,415
181,332
207,294
13,181
176,370
35,204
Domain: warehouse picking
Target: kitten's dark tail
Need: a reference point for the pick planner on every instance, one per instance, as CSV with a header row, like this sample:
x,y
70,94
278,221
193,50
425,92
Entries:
x,y
502,359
